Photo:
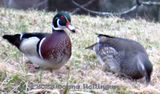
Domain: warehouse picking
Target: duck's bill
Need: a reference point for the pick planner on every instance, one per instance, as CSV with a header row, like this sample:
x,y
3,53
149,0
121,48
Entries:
x,y
71,28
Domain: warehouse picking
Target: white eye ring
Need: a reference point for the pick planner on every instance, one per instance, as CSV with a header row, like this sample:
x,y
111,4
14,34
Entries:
x,y
58,23
59,26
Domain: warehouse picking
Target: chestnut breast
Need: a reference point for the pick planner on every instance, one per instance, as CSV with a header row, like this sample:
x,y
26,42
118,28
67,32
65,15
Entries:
x,y
56,47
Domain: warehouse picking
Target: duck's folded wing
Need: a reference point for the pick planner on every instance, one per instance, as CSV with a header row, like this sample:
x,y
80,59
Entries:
x,y
38,35
111,57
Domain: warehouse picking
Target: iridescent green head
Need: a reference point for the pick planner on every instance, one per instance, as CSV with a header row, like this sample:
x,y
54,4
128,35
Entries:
x,y
61,21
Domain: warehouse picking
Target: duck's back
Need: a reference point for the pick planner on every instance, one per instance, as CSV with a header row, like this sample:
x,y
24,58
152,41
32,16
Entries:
x,y
126,45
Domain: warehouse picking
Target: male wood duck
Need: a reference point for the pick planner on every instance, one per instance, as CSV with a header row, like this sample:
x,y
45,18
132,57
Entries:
x,y
47,50
123,56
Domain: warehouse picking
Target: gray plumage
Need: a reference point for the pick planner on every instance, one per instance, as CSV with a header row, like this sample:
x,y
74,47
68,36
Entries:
x,y
123,56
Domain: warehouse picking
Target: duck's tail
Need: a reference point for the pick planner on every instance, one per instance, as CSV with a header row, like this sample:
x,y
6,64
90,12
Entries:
x,y
148,67
145,67
13,39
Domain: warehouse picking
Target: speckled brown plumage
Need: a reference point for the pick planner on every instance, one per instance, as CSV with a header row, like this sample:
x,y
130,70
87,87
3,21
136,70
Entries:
x,y
123,56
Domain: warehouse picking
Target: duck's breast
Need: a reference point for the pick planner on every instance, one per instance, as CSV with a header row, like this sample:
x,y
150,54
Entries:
x,y
56,47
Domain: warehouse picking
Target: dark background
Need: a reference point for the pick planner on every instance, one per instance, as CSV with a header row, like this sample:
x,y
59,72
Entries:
x,y
151,13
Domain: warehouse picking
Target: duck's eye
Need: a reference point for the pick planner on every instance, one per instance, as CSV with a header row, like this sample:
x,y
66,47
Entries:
x,y
62,17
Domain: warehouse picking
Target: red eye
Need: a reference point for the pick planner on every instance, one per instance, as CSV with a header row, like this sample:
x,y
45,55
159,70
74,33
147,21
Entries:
x,y
62,17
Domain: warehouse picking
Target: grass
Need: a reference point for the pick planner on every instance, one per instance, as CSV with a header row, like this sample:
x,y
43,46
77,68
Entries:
x,y
15,77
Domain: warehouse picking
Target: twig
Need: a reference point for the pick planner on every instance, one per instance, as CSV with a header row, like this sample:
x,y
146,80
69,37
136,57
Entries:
x,y
66,90
91,11
151,3
84,5
42,91
138,2
39,4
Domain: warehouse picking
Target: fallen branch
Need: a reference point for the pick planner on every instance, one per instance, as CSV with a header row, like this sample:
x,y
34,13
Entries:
x,y
105,13
120,14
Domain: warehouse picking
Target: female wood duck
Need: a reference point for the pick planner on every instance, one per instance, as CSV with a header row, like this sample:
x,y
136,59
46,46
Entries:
x,y
123,56
49,51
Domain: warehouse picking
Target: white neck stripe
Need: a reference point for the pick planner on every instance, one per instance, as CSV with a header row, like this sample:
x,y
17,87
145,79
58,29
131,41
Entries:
x,y
21,35
40,44
54,28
